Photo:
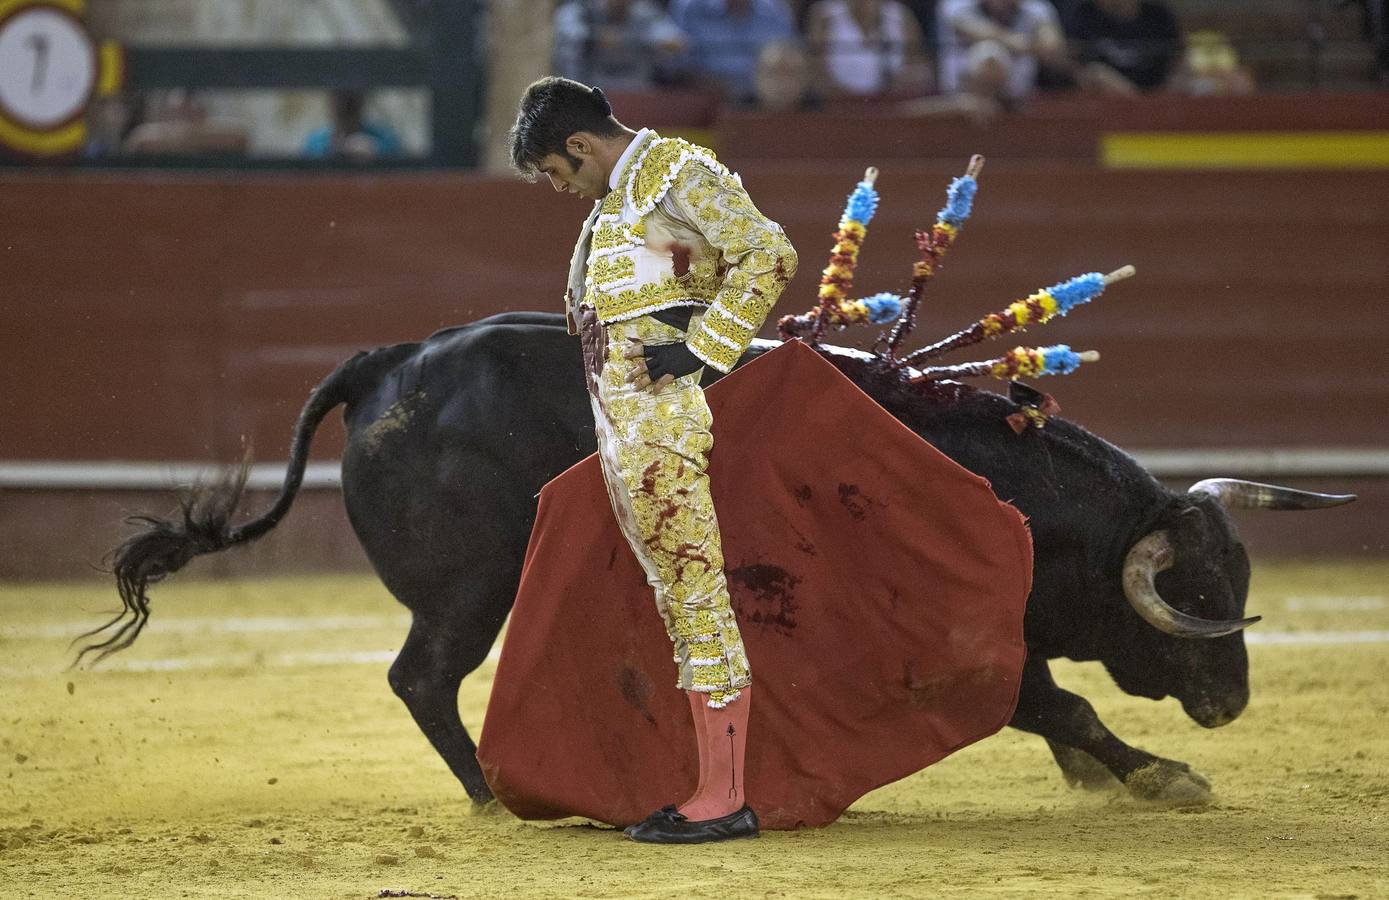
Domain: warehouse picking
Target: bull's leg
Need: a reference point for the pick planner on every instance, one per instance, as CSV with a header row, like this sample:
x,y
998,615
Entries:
x,y
1069,720
1080,769
426,675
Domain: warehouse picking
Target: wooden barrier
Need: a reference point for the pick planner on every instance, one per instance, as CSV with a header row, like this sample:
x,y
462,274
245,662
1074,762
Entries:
x,y
167,317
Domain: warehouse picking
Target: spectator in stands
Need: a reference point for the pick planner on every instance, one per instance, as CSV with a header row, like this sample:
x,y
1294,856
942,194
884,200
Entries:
x,y
351,135
784,81
1377,33
621,45
995,48
923,10
1066,12
1124,47
1211,66
110,122
867,48
726,37
178,123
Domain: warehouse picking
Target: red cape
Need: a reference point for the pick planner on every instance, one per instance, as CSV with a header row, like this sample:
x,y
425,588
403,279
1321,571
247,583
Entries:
x,y
880,590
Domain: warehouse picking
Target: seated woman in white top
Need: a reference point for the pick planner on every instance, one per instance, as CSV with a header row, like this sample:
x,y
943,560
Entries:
x,y
993,48
867,47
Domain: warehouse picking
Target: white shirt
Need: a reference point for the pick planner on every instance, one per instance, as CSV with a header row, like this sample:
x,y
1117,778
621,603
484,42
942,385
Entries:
x,y
860,64
626,155
954,47
579,263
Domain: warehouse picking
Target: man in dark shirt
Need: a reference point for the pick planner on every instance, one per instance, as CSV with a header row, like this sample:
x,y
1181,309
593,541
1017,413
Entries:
x,y
1125,46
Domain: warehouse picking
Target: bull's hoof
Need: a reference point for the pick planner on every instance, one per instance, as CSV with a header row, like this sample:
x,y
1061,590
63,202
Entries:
x,y
483,801
486,808
1081,770
1168,782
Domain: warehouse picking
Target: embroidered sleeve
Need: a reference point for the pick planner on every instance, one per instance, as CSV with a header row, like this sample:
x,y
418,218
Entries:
x,y
759,258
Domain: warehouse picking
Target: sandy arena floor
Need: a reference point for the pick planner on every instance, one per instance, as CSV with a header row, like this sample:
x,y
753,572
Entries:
x,y
248,746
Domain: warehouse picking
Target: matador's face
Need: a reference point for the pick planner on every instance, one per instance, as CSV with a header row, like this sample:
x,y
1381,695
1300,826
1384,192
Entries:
x,y
585,179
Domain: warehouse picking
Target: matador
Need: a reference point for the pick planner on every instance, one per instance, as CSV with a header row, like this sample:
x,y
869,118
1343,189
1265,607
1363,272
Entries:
x,y
675,271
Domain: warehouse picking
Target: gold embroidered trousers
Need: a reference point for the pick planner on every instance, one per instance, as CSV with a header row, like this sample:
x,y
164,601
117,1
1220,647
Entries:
x,y
654,450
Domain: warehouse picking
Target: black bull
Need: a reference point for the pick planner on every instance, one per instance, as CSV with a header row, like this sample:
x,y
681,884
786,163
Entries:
x,y
451,439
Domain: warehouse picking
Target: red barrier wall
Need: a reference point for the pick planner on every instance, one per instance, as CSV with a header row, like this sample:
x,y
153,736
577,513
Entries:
x,y
166,316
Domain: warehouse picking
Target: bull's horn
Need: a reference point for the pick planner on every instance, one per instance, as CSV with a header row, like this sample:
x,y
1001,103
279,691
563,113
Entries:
x,y
1232,493
1150,555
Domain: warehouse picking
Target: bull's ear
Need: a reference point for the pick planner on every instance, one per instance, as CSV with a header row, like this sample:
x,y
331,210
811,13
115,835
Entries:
x,y
1024,394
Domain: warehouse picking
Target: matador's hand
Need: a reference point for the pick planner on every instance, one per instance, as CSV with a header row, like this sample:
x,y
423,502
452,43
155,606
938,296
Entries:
x,y
657,365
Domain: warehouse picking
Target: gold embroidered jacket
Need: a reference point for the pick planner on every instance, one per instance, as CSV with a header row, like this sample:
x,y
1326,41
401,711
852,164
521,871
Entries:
x,y
679,230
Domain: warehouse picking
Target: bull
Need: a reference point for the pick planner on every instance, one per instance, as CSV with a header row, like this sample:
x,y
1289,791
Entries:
x,y
451,439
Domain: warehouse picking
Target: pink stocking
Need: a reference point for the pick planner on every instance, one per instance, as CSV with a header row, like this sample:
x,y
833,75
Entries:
x,y
725,740
697,701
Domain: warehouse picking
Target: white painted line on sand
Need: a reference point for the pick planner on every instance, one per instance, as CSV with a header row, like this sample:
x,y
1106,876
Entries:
x,y
210,625
153,476
252,661
239,661
1316,638
385,657
1192,462
1266,462
1336,604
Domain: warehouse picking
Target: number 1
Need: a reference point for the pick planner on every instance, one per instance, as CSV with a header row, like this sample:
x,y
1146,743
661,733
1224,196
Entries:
x,y
39,44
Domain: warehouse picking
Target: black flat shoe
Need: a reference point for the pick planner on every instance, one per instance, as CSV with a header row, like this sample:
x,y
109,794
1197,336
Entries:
x,y
664,813
666,826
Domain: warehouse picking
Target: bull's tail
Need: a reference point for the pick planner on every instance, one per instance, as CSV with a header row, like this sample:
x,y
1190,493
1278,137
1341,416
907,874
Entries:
x,y
203,524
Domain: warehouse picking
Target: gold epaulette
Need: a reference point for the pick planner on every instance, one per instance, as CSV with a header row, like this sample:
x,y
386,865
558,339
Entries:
x,y
658,167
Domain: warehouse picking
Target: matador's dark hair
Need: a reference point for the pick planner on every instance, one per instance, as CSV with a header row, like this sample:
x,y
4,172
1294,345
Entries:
x,y
551,110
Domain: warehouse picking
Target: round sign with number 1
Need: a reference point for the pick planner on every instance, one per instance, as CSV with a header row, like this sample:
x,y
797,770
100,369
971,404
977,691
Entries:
x,y
50,68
